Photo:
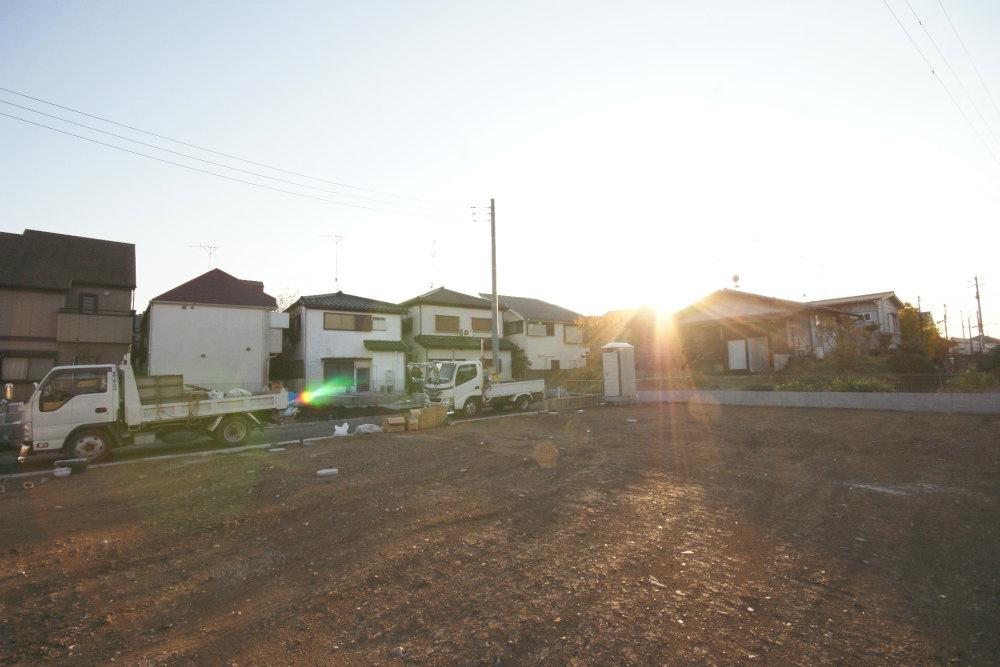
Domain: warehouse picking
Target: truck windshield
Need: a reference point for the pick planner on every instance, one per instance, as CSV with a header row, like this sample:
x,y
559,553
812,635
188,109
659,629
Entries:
x,y
444,372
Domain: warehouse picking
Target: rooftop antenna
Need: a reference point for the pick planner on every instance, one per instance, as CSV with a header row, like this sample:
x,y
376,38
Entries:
x,y
337,238
210,249
433,255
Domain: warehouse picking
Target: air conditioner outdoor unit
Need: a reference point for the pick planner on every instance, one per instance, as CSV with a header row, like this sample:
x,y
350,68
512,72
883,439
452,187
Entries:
x,y
465,332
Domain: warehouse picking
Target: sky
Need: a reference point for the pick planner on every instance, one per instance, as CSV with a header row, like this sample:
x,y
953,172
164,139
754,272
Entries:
x,y
640,153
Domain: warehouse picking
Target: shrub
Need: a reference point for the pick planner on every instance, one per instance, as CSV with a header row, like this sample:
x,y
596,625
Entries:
x,y
972,380
795,385
909,362
846,383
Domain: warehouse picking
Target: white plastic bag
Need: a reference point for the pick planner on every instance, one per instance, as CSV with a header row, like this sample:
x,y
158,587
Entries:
x,y
340,431
215,393
237,393
368,428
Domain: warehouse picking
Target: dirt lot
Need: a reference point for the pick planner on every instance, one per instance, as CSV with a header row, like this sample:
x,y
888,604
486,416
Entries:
x,y
714,535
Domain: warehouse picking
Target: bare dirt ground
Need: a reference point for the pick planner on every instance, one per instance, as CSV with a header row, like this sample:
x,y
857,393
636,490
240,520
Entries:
x,y
712,535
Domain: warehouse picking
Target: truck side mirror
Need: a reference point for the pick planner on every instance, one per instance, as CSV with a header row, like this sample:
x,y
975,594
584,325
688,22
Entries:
x,y
8,391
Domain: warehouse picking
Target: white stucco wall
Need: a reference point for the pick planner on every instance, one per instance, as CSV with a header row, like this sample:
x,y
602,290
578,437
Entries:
x,y
217,347
317,344
541,350
423,320
422,317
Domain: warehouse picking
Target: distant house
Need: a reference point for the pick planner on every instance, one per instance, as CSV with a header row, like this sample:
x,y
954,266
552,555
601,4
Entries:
x,y
216,330
731,330
346,343
443,324
550,335
63,300
970,346
880,308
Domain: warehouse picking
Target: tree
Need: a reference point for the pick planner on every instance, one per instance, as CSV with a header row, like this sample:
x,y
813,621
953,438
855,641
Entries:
x,y
919,335
287,297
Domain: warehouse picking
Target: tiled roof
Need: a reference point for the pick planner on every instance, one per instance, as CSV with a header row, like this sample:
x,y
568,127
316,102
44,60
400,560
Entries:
x,y
219,288
443,296
386,346
460,343
720,305
535,309
349,302
44,260
839,301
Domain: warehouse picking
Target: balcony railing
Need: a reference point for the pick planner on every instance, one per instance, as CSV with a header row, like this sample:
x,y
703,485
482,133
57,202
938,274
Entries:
x,y
106,326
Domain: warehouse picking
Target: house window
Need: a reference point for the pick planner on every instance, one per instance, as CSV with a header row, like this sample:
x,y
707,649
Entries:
x,y
446,323
514,327
378,324
537,329
893,322
866,317
572,334
482,324
550,328
14,368
554,365
88,303
346,322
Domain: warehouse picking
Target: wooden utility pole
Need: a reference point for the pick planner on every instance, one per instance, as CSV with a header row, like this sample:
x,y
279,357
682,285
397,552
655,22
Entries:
x,y
495,343
979,314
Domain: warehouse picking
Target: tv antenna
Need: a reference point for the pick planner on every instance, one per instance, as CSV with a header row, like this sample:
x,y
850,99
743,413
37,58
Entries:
x,y
337,238
210,249
433,255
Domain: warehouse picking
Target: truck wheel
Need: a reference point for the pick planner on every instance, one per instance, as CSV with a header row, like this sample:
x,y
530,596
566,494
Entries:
x,y
522,403
472,407
232,431
92,444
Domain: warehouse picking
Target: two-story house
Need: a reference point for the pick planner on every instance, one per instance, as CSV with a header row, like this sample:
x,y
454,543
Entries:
x,y
880,308
218,331
346,344
550,335
443,325
63,300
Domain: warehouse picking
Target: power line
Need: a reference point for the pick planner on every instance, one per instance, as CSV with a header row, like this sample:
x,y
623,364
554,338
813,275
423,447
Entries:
x,y
941,81
221,164
220,153
951,69
972,62
231,178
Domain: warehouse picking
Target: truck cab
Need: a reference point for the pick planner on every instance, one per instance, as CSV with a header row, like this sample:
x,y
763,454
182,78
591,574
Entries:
x,y
74,407
465,387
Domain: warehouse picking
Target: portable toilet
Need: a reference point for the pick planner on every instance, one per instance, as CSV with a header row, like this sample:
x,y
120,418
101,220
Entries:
x,y
619,372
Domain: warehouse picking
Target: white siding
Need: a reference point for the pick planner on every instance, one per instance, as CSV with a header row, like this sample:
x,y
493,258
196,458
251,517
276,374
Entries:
x,y
423,321
540,351
217,347
318,344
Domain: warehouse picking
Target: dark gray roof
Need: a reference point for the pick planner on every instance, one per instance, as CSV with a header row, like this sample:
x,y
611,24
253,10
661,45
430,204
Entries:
x,y
443,296
535,309
859,298
219,288
349,302
43,260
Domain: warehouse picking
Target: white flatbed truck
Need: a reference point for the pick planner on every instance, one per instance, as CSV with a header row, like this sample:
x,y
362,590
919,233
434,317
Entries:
x,y
464,387
85,411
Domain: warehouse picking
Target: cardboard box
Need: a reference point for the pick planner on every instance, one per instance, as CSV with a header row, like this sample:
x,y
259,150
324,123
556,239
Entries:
x,y
412,424
433,415
394,424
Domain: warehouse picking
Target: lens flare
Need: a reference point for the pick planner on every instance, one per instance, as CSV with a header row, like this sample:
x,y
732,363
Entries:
x,y
321,394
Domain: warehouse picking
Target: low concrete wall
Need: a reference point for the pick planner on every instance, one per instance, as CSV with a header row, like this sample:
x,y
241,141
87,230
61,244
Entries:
x,y
964,403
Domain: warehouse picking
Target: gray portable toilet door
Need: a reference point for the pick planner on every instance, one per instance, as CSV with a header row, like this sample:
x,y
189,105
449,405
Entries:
x,y
612,383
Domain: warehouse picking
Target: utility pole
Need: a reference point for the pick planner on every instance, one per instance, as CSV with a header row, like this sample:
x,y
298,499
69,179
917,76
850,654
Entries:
x,y
979,314
946,322
433,255
495,348
920,323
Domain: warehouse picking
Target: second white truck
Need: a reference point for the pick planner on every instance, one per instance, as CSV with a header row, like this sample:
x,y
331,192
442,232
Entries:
x,y
85,411
464,387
